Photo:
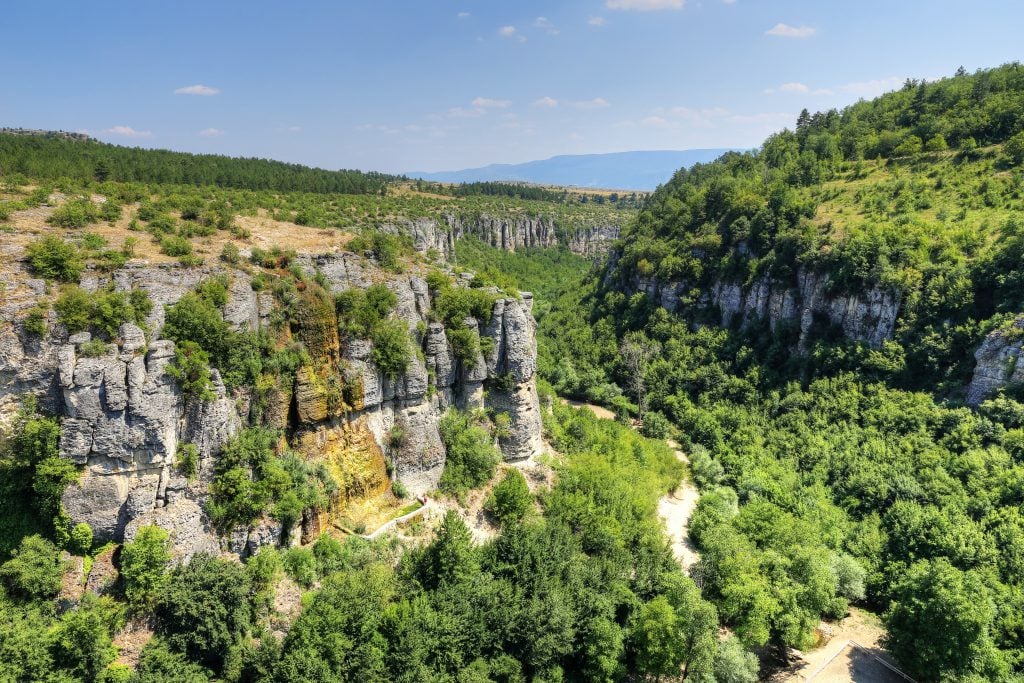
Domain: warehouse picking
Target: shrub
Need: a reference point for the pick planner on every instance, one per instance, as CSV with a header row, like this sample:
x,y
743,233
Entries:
x,y
81,539
175,245
54,258
35,321
360,311
111,309
465,343
34,571
144,566
110,211
471,457
399,489
191,368
392,351
510,499
230,253
74,308
76,213
93,241
159,664
188,460
300,564
94,348
656,426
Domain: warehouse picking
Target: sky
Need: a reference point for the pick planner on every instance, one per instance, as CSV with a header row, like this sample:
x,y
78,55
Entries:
x,y
430,85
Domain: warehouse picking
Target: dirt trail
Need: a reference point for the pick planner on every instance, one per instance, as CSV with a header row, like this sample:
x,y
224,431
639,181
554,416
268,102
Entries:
x,y
674,509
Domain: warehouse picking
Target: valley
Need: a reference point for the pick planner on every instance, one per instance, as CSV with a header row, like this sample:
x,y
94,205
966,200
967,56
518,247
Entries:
x,y
265,422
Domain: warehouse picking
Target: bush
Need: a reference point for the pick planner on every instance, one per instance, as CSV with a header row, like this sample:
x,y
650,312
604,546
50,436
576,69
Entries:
x,y
471,457
159,664
81,539
74,308
187,460
392,351
465,343
399,489
175,245
1014,148
191,368
510,499
230,253
361,311
35,321
94,348
55,259
204,609
656,426
34,571
300,564
144,567
76,213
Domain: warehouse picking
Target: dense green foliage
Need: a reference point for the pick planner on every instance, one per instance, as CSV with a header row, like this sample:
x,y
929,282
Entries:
x,y
33,477
510,498
54,258
470,454
252,479
103,311
144,567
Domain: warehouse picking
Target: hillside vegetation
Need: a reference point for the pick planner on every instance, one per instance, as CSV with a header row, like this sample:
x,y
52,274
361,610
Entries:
x,y
920,192
842,464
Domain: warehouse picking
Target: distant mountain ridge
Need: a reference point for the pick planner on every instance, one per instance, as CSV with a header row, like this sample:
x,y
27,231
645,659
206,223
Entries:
x,y
642,170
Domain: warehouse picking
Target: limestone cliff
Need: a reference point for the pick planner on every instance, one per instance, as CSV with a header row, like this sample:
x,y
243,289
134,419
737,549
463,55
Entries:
x,y
123,417
869,316
509,233
998,362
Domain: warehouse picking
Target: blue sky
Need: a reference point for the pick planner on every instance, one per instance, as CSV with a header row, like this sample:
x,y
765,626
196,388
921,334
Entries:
x,y
441,84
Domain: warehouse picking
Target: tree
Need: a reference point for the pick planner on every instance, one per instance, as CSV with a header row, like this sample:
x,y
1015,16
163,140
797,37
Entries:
x,y
635,352
82,641
939,621
1014,148
510,499
655,638
733,664
391,351
204,609
35,570
144,566
451,558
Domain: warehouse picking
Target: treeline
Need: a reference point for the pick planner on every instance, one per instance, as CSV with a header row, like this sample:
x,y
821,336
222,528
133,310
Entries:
x,y
526,191
52,158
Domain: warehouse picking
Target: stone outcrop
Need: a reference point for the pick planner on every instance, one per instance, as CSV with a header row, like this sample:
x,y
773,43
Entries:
x,y
124,417
507,233
868,317
998,362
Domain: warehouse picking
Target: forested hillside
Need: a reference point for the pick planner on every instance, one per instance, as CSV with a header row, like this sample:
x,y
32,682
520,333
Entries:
x,y
828,454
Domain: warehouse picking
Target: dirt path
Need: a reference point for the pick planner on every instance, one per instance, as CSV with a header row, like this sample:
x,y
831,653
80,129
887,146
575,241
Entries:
x,y
675,510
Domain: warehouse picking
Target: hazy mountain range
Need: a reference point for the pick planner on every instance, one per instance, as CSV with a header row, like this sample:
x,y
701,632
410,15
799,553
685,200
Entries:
x,y
643,170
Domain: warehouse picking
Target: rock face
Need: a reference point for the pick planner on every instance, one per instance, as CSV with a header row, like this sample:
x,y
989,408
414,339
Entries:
x,y
997,362
868,317
508,234
124,417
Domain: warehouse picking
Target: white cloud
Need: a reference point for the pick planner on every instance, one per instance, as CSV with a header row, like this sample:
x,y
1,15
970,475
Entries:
x,y
489,103
597,21
789,88
512,33
211,132
462,15
787,31
545,25
596,103
129,132
644,5
546,102
197,89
